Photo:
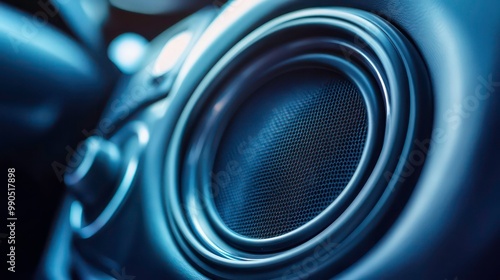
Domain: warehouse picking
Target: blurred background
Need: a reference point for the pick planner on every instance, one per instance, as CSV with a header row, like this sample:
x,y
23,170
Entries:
x,y
59,62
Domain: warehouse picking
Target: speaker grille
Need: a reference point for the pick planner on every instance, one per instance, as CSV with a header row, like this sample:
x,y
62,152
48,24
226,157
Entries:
x,y
288,153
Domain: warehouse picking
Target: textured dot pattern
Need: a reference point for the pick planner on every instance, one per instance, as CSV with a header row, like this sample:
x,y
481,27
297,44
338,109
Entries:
x,y
288,153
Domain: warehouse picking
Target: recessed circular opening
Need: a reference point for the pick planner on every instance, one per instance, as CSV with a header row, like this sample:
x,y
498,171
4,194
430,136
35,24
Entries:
x,y
288,152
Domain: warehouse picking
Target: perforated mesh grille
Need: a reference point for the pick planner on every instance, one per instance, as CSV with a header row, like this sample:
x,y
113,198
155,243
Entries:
x,y
288,153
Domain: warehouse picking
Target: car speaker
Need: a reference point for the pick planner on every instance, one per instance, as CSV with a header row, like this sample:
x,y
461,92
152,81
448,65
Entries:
x,y
295,141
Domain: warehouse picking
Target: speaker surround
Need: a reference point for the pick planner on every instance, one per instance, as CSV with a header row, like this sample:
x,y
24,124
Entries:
x,y
357,49
288,152
211,124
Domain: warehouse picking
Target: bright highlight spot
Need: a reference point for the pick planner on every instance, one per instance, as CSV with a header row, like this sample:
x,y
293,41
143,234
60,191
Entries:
x,y
171,53
127,51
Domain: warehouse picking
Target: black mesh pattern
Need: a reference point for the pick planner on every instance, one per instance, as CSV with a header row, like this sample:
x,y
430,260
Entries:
x,y
288,153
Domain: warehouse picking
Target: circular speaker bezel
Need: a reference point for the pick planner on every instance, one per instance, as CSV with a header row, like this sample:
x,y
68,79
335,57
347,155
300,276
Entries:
x,y
392,62
202,153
